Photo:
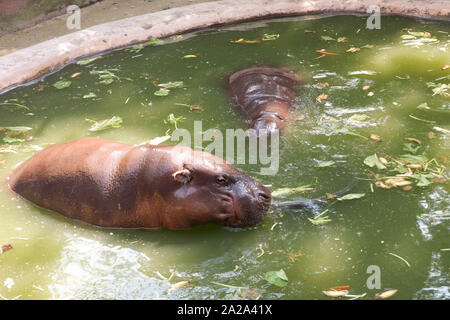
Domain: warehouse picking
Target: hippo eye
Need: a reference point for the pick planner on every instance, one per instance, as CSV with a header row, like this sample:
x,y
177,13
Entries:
x,y
222,180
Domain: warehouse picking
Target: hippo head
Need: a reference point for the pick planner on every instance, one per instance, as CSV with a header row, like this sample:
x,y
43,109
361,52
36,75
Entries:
x,y
211,190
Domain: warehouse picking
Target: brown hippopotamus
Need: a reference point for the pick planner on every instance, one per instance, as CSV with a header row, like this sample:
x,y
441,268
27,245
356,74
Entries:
x,y
116,185
266,94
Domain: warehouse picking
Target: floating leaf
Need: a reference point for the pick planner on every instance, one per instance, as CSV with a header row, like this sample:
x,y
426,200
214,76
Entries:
x,y
190,56
386,294
89,95
21,129
76,74
5,247
351,196
162,92
62,84
409,158
277,278
284,192
351,133
12,140
178,285
114,122
172,85
409,147
362,72
323,164
375,137
353,50
423,106
269,37
87,61
155,41
335,293
359,117
327,38
326,52
321,97
373,160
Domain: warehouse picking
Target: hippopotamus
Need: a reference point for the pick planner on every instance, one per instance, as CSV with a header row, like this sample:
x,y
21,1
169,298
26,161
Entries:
x,y
266,94
116,185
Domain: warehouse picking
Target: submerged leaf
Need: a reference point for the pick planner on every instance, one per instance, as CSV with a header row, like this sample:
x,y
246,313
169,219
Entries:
x,y
62,84
277,278
373,160
352,196
114,122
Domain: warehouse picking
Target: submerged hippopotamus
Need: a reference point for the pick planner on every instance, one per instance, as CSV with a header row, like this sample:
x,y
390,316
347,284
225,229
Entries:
x,y
266,94
116,185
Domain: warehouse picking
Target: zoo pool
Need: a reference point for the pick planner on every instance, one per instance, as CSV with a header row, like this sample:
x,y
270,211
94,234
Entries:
x,y
372,104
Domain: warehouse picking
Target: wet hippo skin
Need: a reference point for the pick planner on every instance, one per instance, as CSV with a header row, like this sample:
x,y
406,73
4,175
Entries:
x,y
266,94
116,185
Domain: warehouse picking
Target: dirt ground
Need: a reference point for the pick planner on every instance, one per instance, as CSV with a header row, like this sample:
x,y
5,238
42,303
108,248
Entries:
x,y
97,13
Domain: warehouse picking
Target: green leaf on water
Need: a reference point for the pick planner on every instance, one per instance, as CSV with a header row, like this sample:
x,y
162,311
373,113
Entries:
x,y
410,158
327,38
114,122
89,95
277,278
362,72
12,140
351,196
323,164
155,41
373,160
162,92
423,106
284,192
351,133
410,147
87,61
422,179
136,48
172,85
62,84
269,37
16,128
171,119
359,117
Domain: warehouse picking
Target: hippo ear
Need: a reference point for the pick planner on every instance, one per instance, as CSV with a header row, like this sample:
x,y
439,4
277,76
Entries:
x,y
183,175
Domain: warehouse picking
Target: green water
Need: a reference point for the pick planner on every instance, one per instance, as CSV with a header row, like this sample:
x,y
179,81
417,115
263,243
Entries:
x,y
55,258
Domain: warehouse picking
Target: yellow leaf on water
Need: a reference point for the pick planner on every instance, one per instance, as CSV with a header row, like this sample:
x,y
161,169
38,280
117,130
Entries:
x,y
366,88
335,293
386,294
375,138
76,74
322,97
353,50
178,285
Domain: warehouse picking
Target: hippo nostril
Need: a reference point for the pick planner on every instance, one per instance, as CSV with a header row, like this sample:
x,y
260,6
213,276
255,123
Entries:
x,y
265,198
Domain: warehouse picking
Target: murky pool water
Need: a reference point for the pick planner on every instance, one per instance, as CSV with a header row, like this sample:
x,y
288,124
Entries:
x,y
392,85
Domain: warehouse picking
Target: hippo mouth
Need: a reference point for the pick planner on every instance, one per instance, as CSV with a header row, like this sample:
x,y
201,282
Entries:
x,y
245,216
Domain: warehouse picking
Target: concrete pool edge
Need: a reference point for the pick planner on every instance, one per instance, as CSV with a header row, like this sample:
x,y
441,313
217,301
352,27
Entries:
x,y
30,63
